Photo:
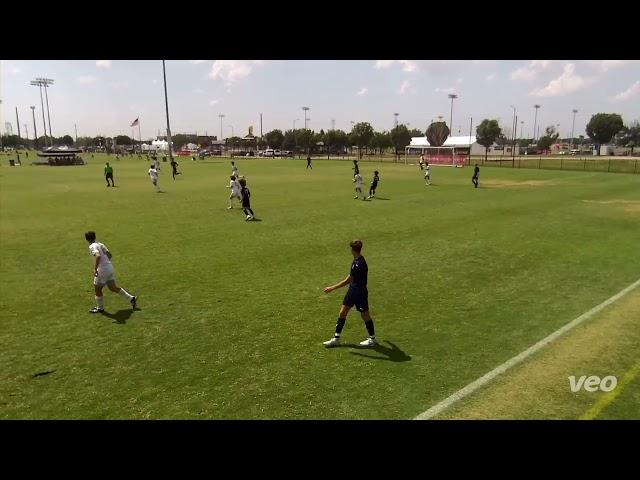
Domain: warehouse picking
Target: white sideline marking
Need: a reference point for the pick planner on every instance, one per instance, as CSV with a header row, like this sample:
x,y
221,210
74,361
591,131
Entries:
x,y
473,386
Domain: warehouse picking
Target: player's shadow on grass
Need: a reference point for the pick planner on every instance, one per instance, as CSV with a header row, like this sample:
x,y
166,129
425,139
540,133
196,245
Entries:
x,y
393,353
255,219
121,316
380,198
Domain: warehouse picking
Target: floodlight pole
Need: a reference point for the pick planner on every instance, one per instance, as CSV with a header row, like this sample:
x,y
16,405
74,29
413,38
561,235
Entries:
x,y
166,104
35,131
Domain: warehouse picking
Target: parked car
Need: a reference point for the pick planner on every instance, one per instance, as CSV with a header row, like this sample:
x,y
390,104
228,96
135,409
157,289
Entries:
x,y
269,152
277,153
286,153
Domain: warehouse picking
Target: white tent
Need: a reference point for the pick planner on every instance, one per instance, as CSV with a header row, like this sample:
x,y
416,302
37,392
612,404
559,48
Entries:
x,y
464,143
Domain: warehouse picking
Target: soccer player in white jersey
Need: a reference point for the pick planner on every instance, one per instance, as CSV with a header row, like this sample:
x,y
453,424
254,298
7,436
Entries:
x,y
104,274
153,174
234,169
427,174
357,178
235,187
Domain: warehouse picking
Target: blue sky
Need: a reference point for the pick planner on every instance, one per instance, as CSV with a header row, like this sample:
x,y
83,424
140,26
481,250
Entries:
x,y
105,96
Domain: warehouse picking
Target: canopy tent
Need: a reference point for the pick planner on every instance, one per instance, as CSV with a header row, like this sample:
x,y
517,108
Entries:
x,y
455,150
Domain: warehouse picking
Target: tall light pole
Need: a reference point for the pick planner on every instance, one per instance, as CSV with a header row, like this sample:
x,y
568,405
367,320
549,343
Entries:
x,y
521,128
46,82
535,121
221,117
166,105
294,124
35,132
39,84
452,96
573,124
75,127
306,109
18,123
514,125
231,127
395,120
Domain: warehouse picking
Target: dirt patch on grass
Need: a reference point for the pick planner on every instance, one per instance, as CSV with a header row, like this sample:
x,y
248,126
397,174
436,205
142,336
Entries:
x,y
512,183
629,206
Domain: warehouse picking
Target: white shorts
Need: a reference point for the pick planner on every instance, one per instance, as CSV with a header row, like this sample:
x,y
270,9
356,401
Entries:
x,y
235,195
104,277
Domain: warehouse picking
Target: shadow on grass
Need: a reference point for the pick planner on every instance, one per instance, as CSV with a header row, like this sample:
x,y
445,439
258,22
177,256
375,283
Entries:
x,y
255,219
380,198
121,316
393,353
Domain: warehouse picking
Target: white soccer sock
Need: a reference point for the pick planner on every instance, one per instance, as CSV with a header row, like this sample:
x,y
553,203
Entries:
x,y
124,294
100,302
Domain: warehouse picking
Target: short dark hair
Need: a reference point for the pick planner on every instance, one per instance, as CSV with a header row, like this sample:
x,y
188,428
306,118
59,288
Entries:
x,y
356,245
243,182
90,236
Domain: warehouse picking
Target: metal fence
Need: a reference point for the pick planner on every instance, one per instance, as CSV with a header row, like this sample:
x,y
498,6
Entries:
x,y
586,164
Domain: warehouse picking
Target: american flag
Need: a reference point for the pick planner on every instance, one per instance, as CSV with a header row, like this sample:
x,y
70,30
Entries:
x,y
135,122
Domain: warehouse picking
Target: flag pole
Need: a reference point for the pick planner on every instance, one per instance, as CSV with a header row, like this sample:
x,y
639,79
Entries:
x,y
139,134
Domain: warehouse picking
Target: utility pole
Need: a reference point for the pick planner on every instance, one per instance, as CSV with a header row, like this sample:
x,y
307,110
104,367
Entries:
x,y
166,103
18,123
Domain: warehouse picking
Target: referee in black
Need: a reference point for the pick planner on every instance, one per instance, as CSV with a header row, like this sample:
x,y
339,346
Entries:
x,y
356,295
309,162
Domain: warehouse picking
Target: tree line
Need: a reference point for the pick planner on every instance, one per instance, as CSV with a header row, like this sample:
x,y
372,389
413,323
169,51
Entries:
x,y
601,129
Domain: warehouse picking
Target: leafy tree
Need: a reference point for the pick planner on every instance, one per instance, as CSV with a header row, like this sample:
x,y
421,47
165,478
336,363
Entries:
x,y
630,136
289,140
400,137
274,138
487,133
437,134
381,141
548,139
125,140
416,132
305,139
602,127
361,134
99,140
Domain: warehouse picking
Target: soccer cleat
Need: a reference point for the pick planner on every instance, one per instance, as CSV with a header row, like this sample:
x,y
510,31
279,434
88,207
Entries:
x,y
96,310
334,342
248,218
134,300
369,342
229,207
355,198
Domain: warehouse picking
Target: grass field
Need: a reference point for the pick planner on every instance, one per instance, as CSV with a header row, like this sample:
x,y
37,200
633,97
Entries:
x,y
232,313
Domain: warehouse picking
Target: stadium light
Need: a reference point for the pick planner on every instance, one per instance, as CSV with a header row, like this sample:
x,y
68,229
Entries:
x,y
38,83
35,131
535,121
573,124
306,109
166,104
395,119
452,96
221,117
294,124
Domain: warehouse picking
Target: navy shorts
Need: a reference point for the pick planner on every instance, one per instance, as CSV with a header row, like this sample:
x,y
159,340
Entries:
x,y
358,298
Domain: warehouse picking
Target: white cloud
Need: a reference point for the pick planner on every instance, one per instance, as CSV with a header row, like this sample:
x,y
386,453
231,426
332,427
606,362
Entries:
x,y
86,79
430,66
230,71
606,65
629,93
103,63
530,71
567,82
491,77
404,88
362,91
213,103
384,64
445,90
197,62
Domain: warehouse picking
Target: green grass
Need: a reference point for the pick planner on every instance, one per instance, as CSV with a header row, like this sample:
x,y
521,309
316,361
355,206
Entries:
x,y
233,314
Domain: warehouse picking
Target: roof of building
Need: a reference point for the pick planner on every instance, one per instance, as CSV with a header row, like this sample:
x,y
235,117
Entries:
x,y
460,141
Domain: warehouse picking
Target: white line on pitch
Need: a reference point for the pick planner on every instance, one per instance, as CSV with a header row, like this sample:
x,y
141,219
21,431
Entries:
x,y
473,386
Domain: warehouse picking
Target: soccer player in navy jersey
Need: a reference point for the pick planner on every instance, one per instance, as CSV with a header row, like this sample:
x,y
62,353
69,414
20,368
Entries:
x,y
356,295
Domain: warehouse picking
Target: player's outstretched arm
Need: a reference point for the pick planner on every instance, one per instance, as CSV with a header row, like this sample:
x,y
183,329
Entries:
x,y
343,283
95,268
